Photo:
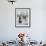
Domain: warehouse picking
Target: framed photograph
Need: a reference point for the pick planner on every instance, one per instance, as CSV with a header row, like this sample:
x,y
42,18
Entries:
x,y
22,17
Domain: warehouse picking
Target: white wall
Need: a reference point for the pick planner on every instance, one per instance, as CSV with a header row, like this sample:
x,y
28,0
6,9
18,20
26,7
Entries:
x,y
37,30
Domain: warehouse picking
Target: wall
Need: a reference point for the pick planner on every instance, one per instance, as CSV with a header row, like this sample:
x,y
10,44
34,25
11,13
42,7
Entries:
x,y
8,31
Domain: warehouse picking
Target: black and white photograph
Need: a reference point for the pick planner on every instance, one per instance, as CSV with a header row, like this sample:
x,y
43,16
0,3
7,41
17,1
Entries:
x,y
22,16
22,22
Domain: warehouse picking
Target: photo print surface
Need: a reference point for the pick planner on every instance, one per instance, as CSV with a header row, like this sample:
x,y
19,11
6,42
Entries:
x,y
22,17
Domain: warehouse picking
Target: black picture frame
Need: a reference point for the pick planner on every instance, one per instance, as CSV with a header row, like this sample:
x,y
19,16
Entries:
x,y
29,17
